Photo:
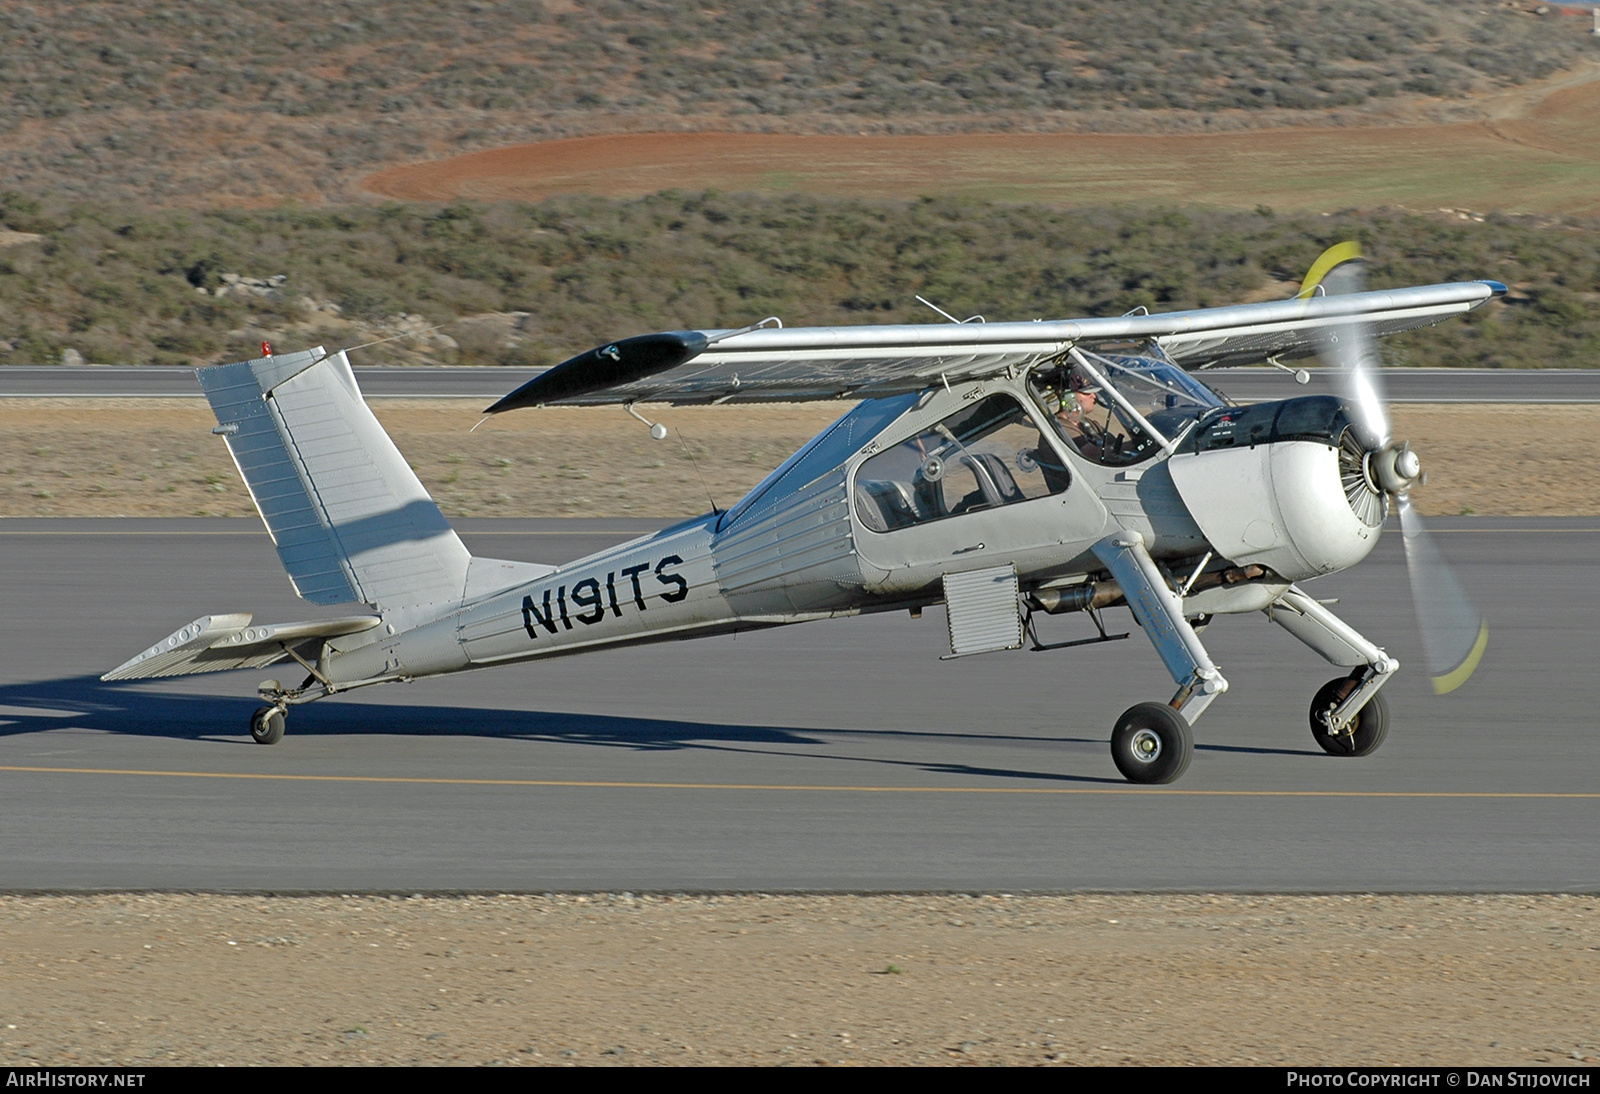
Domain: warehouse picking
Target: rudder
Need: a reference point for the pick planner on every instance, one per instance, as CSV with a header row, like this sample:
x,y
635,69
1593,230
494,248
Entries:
x,y
351,521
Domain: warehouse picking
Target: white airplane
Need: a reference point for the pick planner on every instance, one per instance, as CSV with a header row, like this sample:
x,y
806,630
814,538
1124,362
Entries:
x,y
1005,470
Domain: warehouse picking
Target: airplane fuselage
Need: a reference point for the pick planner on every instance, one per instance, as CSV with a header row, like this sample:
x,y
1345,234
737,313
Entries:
x,y
801,546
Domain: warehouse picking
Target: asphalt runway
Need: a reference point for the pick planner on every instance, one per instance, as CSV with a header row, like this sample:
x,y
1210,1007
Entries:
x,y
1246,385
829,756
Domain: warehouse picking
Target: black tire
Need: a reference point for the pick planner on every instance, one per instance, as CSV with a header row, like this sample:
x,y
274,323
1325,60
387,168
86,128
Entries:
x,y
266,726
1152,744
1372,723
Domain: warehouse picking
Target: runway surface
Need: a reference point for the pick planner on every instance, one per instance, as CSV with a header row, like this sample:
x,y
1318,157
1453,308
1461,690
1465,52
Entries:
x,y
1415,385
828,756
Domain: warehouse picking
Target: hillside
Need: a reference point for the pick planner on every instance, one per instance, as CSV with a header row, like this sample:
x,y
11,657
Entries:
x,y
178,184
214,103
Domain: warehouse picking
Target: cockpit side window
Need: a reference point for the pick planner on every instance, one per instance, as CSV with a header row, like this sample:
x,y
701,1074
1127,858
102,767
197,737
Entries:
x,y
985,456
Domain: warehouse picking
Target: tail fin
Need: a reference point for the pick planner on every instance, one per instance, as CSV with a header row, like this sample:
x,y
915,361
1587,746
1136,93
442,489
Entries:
x,y
350,519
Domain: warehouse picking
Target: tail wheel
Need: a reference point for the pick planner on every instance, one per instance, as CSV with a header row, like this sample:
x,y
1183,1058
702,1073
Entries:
x,y
1371,725
266,726
1152,744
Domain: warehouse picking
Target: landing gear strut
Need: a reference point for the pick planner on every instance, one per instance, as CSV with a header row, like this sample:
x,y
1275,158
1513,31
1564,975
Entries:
x,y
1152,742
1348,716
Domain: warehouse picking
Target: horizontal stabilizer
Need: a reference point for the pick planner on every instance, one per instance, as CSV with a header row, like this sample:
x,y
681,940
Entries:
x,y
214,643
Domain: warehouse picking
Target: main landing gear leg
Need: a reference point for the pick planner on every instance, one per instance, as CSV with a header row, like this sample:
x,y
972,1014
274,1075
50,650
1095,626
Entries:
x,y
1152,742
1348,716
267,724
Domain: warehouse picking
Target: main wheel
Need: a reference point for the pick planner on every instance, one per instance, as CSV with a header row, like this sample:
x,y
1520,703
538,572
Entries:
x,y
1152,744
266,726
1372,723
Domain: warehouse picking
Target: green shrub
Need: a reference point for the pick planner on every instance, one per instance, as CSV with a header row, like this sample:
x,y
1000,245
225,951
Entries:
x,y
589,269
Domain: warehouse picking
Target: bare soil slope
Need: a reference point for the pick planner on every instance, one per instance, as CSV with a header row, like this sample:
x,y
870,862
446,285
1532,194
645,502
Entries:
x,y
1536,153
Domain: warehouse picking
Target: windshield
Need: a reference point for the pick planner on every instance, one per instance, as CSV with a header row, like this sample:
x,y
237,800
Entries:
x,y
1097,423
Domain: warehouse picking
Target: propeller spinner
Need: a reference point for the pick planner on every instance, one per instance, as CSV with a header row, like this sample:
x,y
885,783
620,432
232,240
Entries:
x,y
1454,631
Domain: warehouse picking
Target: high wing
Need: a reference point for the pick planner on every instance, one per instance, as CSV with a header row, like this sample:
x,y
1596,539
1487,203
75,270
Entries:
x,y
798,364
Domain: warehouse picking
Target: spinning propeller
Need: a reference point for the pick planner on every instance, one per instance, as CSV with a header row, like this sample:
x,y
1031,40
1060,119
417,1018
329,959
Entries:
x,y
1454,632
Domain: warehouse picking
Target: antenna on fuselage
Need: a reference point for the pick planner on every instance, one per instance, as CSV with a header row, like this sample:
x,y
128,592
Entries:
x,y
684,444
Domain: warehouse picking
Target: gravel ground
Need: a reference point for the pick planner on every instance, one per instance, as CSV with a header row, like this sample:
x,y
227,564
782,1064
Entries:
x,y
129,979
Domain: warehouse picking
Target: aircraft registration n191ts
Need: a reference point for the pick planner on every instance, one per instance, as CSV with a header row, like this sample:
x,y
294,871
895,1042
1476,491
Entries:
x,y
1006,470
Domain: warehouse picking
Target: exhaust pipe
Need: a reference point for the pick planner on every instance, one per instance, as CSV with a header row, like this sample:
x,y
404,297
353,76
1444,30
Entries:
x,y
1093,595
1076,598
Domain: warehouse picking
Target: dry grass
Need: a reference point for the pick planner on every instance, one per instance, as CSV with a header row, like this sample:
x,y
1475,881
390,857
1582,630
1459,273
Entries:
x,y
156,457
1516,461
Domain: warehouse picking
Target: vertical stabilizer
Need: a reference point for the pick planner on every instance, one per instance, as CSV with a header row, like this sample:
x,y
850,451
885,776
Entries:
x,y
350,519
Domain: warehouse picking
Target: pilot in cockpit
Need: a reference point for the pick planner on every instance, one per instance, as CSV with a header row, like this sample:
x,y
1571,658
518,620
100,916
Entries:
x,y
1078,401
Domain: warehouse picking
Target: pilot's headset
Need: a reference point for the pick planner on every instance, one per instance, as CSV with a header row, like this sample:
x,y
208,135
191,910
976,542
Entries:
x,y
1048,388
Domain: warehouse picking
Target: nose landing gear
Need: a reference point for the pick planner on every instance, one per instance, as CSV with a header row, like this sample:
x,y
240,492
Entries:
x,y
1364,733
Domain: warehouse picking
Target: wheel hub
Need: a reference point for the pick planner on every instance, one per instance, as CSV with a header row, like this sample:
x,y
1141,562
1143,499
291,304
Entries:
x,y
1146,746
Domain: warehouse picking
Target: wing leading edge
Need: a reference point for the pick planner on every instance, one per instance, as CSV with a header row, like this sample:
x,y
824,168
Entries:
x,y
799,364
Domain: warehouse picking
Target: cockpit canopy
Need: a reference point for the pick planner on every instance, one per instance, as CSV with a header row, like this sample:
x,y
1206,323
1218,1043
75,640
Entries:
x,y
1104,426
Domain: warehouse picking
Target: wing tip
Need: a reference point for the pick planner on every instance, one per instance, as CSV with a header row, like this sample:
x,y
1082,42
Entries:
x,y
610,365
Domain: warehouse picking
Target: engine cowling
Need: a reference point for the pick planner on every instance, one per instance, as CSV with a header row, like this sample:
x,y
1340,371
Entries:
x,y
1283,485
